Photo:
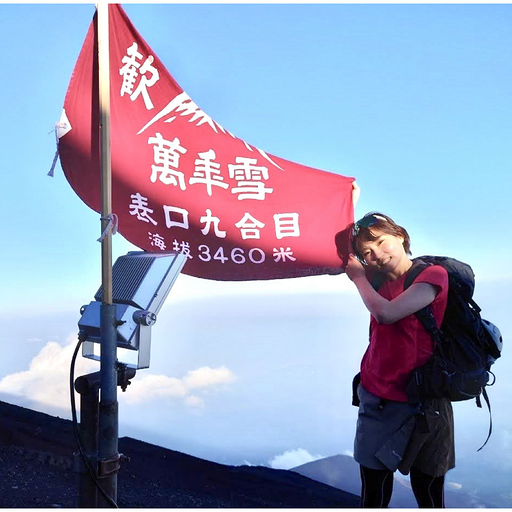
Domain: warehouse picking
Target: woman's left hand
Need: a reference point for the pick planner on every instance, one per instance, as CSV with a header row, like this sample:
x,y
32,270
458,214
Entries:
x,y
354,268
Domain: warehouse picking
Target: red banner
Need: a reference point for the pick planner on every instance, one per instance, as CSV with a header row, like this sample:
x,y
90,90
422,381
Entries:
x,y
180,181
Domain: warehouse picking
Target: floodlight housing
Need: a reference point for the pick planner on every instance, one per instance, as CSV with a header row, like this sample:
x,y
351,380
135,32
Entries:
x,y
141,282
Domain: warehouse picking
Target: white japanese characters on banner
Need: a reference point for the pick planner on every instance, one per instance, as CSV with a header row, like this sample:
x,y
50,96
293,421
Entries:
x,y
182,182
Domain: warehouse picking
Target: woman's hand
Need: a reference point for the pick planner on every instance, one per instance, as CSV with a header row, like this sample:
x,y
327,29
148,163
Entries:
x,y
354,268
385,311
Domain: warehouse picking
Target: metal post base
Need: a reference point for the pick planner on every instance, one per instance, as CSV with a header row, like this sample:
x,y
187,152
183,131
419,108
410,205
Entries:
x,y
88,386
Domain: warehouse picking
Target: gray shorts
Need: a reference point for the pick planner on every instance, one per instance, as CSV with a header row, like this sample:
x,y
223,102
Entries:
x,y
390,436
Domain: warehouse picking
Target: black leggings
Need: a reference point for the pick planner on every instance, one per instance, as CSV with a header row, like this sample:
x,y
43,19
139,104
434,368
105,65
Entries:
x,y
377,487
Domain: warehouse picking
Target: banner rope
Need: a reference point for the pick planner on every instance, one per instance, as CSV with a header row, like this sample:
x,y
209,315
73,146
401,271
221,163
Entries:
x,y
56,157
113,222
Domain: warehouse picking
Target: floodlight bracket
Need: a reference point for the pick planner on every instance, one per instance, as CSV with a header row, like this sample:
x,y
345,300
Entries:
x,y
142,340
141,283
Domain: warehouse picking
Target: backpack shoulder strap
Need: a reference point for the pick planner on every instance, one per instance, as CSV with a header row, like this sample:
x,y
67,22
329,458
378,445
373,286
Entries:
x,y
418,266
425,315
377,281
487,401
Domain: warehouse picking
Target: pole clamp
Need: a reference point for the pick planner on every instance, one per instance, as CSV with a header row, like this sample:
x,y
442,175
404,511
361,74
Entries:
x,y
109,467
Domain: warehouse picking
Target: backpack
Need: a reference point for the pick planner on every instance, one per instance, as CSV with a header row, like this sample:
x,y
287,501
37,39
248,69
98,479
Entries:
x,y
459,368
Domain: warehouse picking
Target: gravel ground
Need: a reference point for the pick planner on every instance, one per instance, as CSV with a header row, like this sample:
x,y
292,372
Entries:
x,y
35,479
36,471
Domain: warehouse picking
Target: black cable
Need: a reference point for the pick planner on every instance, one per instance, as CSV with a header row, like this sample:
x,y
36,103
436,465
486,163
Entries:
x,y
92,473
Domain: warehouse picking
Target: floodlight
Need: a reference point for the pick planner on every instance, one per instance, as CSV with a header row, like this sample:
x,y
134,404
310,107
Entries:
x,y
141,282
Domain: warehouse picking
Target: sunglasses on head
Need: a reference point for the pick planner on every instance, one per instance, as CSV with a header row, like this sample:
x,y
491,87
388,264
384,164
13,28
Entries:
x,y
366,222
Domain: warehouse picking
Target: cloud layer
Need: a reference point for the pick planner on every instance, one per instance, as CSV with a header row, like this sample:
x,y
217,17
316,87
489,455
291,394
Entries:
x,y
47,380
160,386
293,458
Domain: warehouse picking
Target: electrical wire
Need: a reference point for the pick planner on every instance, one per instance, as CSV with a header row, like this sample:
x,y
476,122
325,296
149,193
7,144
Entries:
x,y
88,465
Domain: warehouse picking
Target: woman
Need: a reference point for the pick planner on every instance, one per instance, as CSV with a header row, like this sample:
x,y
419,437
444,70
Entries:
x,y
390,433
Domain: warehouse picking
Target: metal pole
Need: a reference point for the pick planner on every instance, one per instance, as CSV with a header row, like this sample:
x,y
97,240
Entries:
x,y
106,172
108,421
88,492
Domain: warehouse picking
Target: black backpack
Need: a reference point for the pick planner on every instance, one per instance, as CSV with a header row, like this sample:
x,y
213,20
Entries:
x,y
459,368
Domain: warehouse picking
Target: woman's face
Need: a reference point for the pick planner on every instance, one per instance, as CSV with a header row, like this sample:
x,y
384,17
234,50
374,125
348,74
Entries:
x,y
385,253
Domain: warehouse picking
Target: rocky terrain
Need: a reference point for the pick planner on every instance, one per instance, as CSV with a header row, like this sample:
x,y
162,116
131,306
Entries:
x,y
36,471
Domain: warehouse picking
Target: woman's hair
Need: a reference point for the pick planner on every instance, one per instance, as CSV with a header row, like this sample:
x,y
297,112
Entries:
x,y
368,229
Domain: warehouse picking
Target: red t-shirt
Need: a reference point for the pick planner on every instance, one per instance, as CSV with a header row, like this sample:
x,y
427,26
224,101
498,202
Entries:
x,y
396,349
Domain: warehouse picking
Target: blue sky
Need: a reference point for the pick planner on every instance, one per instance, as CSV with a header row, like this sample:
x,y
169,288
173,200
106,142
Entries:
x,y
412,100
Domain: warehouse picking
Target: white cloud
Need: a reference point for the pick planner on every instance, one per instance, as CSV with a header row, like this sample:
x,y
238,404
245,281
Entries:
x,y
293,458
194,401
148,387
453,485
47,379
205,377
154,386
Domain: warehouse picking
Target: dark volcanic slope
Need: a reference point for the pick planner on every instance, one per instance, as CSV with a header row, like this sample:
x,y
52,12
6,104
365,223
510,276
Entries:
x,y
36,471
